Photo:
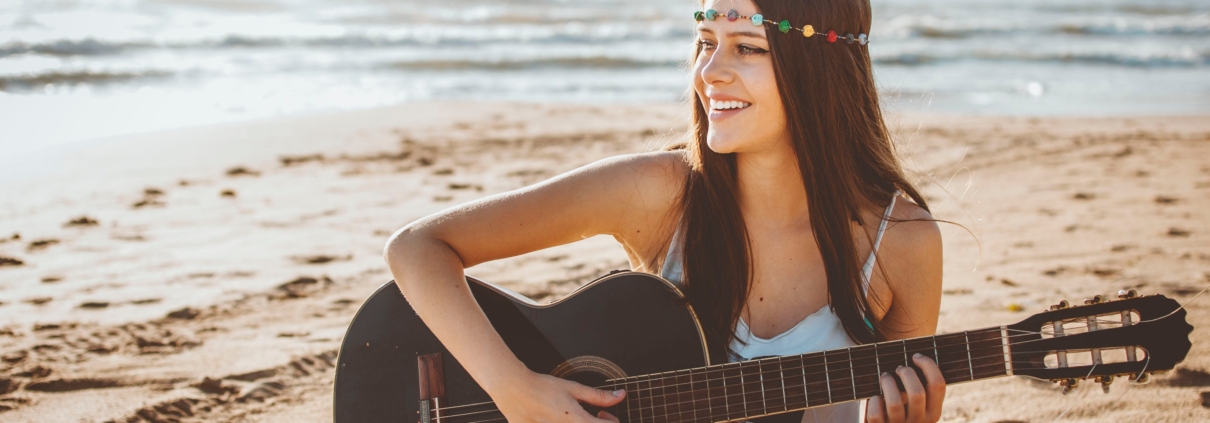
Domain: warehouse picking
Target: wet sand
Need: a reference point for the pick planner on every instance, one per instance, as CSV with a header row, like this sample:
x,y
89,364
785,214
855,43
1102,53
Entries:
x,y
208,274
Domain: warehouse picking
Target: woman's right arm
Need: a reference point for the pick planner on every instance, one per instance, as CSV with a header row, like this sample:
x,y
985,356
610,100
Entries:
x,y
626,197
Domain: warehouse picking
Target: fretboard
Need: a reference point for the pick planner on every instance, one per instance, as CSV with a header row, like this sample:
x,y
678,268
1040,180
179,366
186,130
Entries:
x,y
774,385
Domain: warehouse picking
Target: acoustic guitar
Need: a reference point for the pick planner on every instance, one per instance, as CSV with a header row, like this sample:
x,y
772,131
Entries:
x,y
632,330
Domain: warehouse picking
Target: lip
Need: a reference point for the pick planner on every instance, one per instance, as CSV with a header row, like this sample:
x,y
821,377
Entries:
x,y
716,115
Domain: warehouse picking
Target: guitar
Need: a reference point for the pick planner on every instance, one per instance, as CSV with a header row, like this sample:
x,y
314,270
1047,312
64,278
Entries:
x,y
629,330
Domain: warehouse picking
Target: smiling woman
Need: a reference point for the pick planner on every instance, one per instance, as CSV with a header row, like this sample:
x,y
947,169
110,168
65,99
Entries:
x,y
785,218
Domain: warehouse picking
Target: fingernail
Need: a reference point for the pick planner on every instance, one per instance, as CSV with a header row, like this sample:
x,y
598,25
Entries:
x,y
617,393
918,356
885,374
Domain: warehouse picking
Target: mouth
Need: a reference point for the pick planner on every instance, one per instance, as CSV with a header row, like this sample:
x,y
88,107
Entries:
x,y
729,105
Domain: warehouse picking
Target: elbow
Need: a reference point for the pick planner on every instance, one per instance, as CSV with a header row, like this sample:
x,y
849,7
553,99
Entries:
x,y
400,250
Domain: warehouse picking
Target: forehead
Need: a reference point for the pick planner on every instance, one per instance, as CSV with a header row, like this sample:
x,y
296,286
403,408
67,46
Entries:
x,y
721,26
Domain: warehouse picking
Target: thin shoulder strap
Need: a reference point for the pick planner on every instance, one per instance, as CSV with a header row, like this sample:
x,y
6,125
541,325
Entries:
x,y
672,268
868,270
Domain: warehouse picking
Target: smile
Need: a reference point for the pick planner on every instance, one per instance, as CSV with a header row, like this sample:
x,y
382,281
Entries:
x,y
728,105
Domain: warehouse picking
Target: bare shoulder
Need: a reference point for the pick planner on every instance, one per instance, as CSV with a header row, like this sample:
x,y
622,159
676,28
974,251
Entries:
x,y
645,182
911,266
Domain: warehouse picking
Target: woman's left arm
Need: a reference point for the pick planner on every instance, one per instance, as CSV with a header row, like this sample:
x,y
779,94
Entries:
x,y
910,263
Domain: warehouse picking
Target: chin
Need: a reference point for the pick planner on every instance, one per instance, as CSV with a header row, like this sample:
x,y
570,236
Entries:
x,y
722,142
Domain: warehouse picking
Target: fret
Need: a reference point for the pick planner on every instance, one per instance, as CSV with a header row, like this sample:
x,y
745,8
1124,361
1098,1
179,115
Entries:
x,y
645,406
795,382
987,346
925,346
865,370
717,393
772,383
781,376
672,401
733,390
659,398
952,356
852,377
698,384
749,372
815,379
969,362
764,400
630,397
840,376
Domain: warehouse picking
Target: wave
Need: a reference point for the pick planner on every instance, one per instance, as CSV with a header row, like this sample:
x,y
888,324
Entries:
x,y
927,26
38,80
411,36
1184,58
594,62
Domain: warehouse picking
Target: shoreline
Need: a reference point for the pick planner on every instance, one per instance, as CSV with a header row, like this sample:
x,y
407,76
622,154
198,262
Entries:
x,y
168,278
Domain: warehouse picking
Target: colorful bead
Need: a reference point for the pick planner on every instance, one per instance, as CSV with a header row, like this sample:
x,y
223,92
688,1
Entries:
x,y
808,31
757,19
697,16
862,39
831,36
732,15
783,26
711,14
849,38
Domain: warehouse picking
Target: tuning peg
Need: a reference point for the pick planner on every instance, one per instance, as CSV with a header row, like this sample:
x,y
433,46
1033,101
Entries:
x,y
1105,381
1094,300
1061,305
1143,378
1069,385
1127,293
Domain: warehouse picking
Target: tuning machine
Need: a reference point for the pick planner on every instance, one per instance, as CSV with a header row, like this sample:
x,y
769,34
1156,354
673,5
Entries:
x,y
1069,386
1094,300
1061,305
1124,294
1142,378
1105,381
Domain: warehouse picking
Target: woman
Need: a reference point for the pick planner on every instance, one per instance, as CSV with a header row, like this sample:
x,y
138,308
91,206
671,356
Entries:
x,y
772,217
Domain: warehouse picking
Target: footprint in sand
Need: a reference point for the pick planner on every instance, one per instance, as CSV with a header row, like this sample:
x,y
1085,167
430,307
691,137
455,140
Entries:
x,y
9,261
77,222
1164,199
41,244
321,259
227,193
1178,232
241,171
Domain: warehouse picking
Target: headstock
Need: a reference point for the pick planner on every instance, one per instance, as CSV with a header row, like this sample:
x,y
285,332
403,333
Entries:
x,y
1132,336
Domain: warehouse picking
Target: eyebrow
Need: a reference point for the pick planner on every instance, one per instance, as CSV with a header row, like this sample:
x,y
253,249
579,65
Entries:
x,y
735,33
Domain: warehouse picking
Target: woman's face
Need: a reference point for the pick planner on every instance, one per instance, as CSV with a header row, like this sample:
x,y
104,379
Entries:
x,y
733,69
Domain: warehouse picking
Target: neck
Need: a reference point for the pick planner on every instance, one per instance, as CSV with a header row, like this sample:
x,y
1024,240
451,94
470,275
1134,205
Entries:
x,y
776,385
770,186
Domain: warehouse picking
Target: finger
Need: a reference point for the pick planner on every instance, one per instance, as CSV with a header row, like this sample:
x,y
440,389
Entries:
x,y
605,415
934,385
916,411
890,395
874,411
597,397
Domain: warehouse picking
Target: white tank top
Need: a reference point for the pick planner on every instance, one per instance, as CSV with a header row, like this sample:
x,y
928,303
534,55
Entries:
x,y
819,331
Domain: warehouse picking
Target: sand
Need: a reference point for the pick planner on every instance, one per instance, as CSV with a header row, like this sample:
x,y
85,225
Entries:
x,y
208,274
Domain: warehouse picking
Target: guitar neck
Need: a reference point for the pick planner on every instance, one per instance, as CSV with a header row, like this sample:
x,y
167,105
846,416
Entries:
x,y
774,385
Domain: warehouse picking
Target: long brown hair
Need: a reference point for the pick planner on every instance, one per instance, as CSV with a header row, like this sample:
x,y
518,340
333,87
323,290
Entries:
x,y
844,153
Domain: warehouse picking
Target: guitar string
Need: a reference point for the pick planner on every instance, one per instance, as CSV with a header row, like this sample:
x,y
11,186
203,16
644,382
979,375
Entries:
x,y
728,366
725,395
806,392
631,399
639,392
986,330
787,405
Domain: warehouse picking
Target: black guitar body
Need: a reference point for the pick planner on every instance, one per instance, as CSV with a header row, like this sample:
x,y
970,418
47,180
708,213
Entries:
x,y
623,324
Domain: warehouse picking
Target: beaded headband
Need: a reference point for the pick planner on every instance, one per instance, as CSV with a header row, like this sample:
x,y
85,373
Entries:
x,y
783,26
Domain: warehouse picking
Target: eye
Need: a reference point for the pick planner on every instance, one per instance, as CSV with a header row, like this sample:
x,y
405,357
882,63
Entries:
x,y
747,50
705,44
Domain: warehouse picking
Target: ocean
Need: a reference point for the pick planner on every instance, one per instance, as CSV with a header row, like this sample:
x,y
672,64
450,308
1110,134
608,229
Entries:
x,y
81,69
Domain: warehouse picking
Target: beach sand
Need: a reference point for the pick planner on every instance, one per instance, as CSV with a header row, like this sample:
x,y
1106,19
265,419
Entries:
x,y
208,274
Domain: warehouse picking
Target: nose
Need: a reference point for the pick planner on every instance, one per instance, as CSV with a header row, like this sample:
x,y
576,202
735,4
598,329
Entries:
x,y
718,67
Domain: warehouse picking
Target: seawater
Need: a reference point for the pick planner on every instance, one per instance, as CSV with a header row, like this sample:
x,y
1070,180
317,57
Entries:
x,y
80,69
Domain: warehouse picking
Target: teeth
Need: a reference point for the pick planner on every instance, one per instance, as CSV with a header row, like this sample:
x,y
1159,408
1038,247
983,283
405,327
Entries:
x,y
724,105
